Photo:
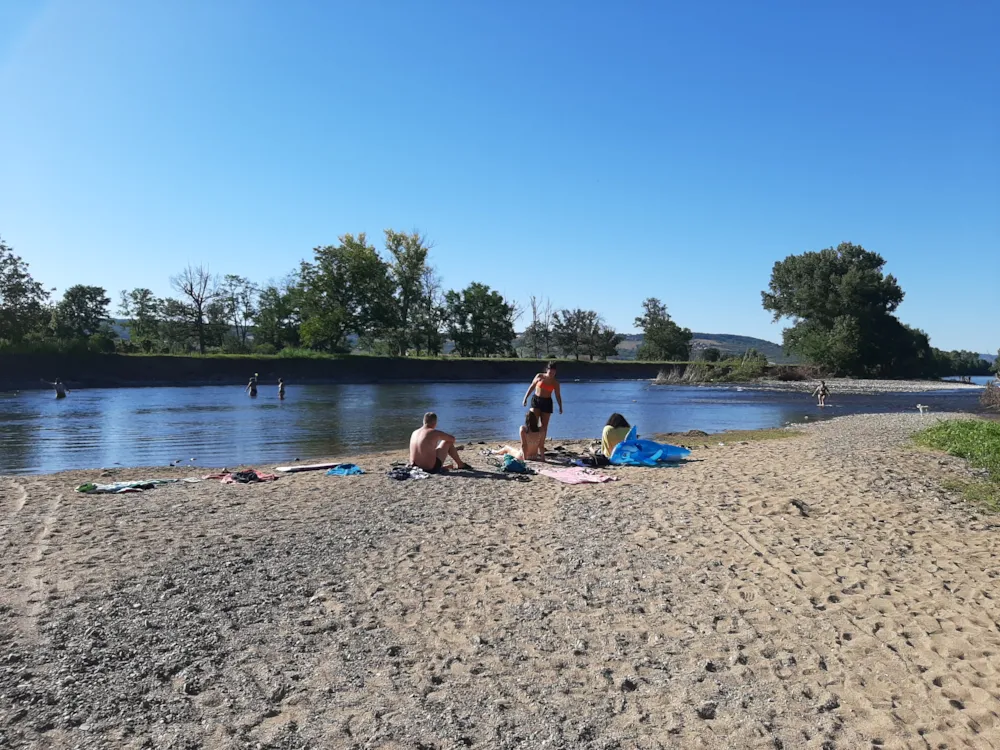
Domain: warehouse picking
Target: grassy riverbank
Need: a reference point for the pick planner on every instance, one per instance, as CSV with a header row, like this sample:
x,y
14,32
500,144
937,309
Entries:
x,y
978,441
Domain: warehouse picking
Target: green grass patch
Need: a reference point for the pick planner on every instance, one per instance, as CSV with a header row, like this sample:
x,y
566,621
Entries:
x,y
977,441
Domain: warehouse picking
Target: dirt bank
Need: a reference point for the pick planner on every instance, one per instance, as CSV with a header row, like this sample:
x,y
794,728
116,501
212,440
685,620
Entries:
x,y
22,372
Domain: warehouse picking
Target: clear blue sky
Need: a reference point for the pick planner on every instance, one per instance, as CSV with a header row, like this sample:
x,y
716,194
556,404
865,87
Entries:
x,y
593,152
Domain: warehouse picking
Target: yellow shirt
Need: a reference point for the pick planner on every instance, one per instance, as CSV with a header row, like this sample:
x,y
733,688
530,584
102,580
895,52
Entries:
x,y
611,437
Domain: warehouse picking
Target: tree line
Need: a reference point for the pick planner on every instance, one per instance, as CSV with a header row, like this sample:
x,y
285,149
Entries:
x,y
347,297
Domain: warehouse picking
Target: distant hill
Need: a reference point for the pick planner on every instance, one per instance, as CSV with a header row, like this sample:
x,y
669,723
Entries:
x,y
989,357
727,343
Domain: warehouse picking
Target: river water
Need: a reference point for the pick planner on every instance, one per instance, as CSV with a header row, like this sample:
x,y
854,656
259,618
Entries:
x,y
221,426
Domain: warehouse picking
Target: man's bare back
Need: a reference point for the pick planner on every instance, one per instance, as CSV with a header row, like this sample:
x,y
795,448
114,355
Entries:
x,y
430,447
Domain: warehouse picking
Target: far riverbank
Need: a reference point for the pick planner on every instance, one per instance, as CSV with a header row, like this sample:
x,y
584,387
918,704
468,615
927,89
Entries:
x,y
24,372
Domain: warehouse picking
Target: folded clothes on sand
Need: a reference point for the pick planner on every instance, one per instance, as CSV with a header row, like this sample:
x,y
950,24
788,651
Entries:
x,y
345,470
121,488
576,475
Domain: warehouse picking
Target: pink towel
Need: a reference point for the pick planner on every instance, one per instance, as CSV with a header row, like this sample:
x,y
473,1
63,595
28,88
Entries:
x,y
576,475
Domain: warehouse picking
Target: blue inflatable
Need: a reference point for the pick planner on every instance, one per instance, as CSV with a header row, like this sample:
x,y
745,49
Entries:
x,y
634,452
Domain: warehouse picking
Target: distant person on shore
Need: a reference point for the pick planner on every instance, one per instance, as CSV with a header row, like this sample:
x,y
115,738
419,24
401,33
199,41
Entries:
x,y
252,386
281,389
531,440
821,393
544,386
431,447
615,431
61,390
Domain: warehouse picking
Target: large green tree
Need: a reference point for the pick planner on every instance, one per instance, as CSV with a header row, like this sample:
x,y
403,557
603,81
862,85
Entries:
x,y
996,363
841,306
408,270
480,321
571,331
141,310
81,313
23,301
582,333
662,339
345,290
176,329
277,321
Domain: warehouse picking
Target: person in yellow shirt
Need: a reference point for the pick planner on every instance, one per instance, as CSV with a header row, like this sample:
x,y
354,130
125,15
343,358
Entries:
x,y
614,432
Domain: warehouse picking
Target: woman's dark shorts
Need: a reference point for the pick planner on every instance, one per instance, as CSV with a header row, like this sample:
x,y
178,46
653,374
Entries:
x,y
542,404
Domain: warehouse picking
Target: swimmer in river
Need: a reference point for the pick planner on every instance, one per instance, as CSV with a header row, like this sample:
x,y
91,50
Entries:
x,y
821,393
61,390
252,386
281,389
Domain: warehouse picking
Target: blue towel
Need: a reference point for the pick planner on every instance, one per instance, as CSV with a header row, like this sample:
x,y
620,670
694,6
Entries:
x,y
345,470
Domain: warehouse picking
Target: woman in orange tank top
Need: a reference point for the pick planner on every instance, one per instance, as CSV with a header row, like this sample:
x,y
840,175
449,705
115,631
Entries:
x,y
545,386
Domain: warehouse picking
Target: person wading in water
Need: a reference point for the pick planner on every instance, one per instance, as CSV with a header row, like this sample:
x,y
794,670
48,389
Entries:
x,y
61,390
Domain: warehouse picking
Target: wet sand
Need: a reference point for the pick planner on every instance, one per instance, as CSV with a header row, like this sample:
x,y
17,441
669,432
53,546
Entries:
x,y
821,591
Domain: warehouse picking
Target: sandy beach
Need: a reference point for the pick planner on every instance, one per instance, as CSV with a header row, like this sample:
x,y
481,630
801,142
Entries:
x,y
820,591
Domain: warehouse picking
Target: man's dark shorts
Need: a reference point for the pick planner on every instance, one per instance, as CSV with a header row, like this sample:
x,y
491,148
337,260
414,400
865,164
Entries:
x,y
437,467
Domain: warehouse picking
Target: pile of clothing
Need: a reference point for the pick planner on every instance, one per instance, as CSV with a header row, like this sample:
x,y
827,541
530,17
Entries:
x,y
247,476
407,472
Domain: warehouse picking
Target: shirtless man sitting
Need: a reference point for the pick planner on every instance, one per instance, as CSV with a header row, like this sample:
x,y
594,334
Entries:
x,y
429,447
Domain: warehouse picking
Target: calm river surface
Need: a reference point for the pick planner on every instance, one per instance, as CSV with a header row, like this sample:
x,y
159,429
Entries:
x,y
221,426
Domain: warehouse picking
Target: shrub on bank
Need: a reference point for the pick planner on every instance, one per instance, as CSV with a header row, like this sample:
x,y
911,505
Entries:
x,y
990,398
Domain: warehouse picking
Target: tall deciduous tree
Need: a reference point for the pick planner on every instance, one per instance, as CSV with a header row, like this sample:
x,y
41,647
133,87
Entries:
x,y
408,270
23,301
176,326
82,312
239,296
345,290
841,306
662,340
480,321
604,342
537,338
428,317
582,333
199,289
141,310
569,330
277,320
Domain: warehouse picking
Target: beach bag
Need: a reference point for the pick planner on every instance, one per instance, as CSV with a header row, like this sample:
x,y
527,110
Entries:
x,y
513,465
